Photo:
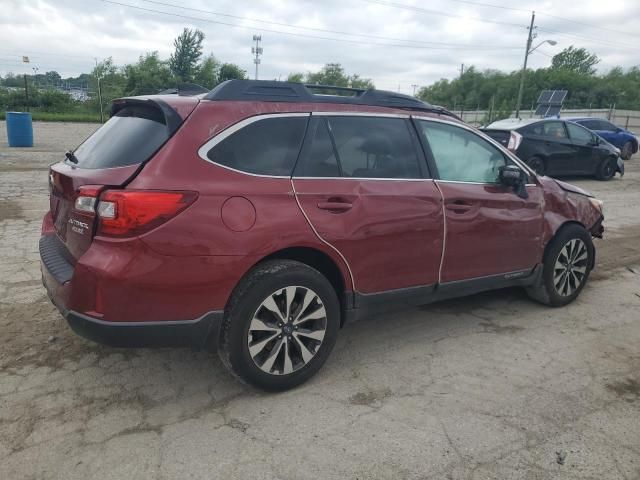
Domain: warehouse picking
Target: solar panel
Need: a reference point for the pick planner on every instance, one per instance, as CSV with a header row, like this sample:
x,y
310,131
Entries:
x,y
550,102
558,96
545,96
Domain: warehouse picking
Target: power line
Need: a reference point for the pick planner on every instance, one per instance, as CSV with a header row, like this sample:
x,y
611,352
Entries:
x,y
315,29
589,39
420,44
444,14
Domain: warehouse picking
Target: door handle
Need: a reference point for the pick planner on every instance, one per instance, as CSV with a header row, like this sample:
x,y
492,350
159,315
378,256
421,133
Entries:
x,y
335,206
459,207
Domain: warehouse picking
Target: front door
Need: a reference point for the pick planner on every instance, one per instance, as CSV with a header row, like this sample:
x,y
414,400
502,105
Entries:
x,y
362,183
489,229
586,158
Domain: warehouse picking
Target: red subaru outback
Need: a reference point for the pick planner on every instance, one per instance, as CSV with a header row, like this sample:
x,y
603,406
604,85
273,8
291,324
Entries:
x,y
259,217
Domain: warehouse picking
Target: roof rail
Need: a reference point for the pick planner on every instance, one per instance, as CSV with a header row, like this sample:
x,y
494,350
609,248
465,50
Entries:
x,y
275,91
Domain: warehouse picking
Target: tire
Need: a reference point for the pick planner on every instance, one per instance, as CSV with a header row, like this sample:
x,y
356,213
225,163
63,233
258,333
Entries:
x,y
607,169
560,285
537,165
627,150
280,325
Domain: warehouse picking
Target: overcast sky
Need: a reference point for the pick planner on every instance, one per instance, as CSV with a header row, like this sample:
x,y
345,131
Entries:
x,y
395,47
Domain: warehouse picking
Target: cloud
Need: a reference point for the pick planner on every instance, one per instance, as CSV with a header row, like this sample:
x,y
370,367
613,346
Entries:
x,y
66,35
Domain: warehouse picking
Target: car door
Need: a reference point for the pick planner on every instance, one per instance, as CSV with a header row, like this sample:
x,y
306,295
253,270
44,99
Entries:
x,y
560,151
586,158
362,183
489,230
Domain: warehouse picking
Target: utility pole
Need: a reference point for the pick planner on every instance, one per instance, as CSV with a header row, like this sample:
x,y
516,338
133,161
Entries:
x,y
461,70
99,92
35,76
257,51
530,38
414,89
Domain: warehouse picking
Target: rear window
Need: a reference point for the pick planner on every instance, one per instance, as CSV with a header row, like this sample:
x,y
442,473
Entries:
x,y
269,146
130,137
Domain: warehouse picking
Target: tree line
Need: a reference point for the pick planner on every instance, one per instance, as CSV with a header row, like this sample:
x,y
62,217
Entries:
x,y
573,69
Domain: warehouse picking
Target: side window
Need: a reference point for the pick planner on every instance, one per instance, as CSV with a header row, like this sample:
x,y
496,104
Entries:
x,y
607,126
533,129
554,130
318,158
460,154
579,135
374,147
590,124
268,146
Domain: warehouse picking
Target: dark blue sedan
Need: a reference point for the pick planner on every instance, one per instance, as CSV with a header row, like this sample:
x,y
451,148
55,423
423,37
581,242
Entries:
x,y
625,140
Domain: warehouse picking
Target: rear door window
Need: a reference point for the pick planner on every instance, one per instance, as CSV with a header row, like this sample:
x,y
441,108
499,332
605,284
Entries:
x,y
360,147
130,137
554,131
267,146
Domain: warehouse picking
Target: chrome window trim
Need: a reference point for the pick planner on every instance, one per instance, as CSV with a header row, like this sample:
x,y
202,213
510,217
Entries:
x,y
227,132
361,114
367,178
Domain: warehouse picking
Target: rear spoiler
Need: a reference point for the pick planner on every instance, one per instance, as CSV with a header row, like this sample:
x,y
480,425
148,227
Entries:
x,y
171,117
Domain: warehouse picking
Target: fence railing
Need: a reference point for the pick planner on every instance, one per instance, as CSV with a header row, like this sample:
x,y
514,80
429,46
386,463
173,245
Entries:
x,y
629,119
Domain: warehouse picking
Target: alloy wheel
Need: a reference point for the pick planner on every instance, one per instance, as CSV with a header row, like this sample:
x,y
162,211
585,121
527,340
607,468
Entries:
x,y
287,330
570,268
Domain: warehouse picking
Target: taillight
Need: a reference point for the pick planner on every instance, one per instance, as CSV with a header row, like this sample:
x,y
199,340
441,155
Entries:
x,y
515,139
125,213
87,198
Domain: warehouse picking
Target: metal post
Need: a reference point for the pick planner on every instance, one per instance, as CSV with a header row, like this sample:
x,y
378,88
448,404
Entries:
x,y
99,92
257,51
26,94
524,66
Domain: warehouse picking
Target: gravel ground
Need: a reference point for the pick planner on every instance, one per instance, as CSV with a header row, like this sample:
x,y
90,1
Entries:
x,y
490,386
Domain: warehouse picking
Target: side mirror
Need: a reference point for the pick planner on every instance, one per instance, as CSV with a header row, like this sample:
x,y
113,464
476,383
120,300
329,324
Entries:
x,y
512,176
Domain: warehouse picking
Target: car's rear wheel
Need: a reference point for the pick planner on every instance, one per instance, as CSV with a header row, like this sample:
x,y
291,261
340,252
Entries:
x,y
566,267
537,165
627,150
607,169
280,325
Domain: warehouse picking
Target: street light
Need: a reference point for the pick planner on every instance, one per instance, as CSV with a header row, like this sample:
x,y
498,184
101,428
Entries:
x,y
528,51
524,69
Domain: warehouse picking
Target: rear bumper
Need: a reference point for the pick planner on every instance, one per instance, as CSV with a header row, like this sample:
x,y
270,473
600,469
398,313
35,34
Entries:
x,y
194,333
57,275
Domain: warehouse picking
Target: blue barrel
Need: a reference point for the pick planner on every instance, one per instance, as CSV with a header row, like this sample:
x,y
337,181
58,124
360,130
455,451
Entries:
x,y
19,129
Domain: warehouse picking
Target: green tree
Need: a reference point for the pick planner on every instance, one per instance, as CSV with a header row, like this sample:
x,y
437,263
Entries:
x,y
334,74
296,77
207,72
577,60
188,50
112,84
230,71
150,75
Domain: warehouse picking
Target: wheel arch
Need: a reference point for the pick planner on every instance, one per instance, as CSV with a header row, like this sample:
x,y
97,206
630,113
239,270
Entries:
x,y
557,231
321,261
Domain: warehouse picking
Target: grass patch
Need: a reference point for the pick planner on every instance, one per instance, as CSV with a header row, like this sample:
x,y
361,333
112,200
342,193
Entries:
x,y
61,117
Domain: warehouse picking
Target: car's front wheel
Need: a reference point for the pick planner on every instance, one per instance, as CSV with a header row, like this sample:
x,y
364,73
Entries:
x,y
566,266
607,169
537,165
280,325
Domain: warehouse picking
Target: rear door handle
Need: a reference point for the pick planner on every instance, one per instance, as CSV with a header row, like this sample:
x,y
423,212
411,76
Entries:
x,y
335,206
459,207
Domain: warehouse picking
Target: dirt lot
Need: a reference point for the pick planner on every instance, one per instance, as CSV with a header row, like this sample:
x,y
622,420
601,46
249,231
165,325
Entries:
x,y
491,386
